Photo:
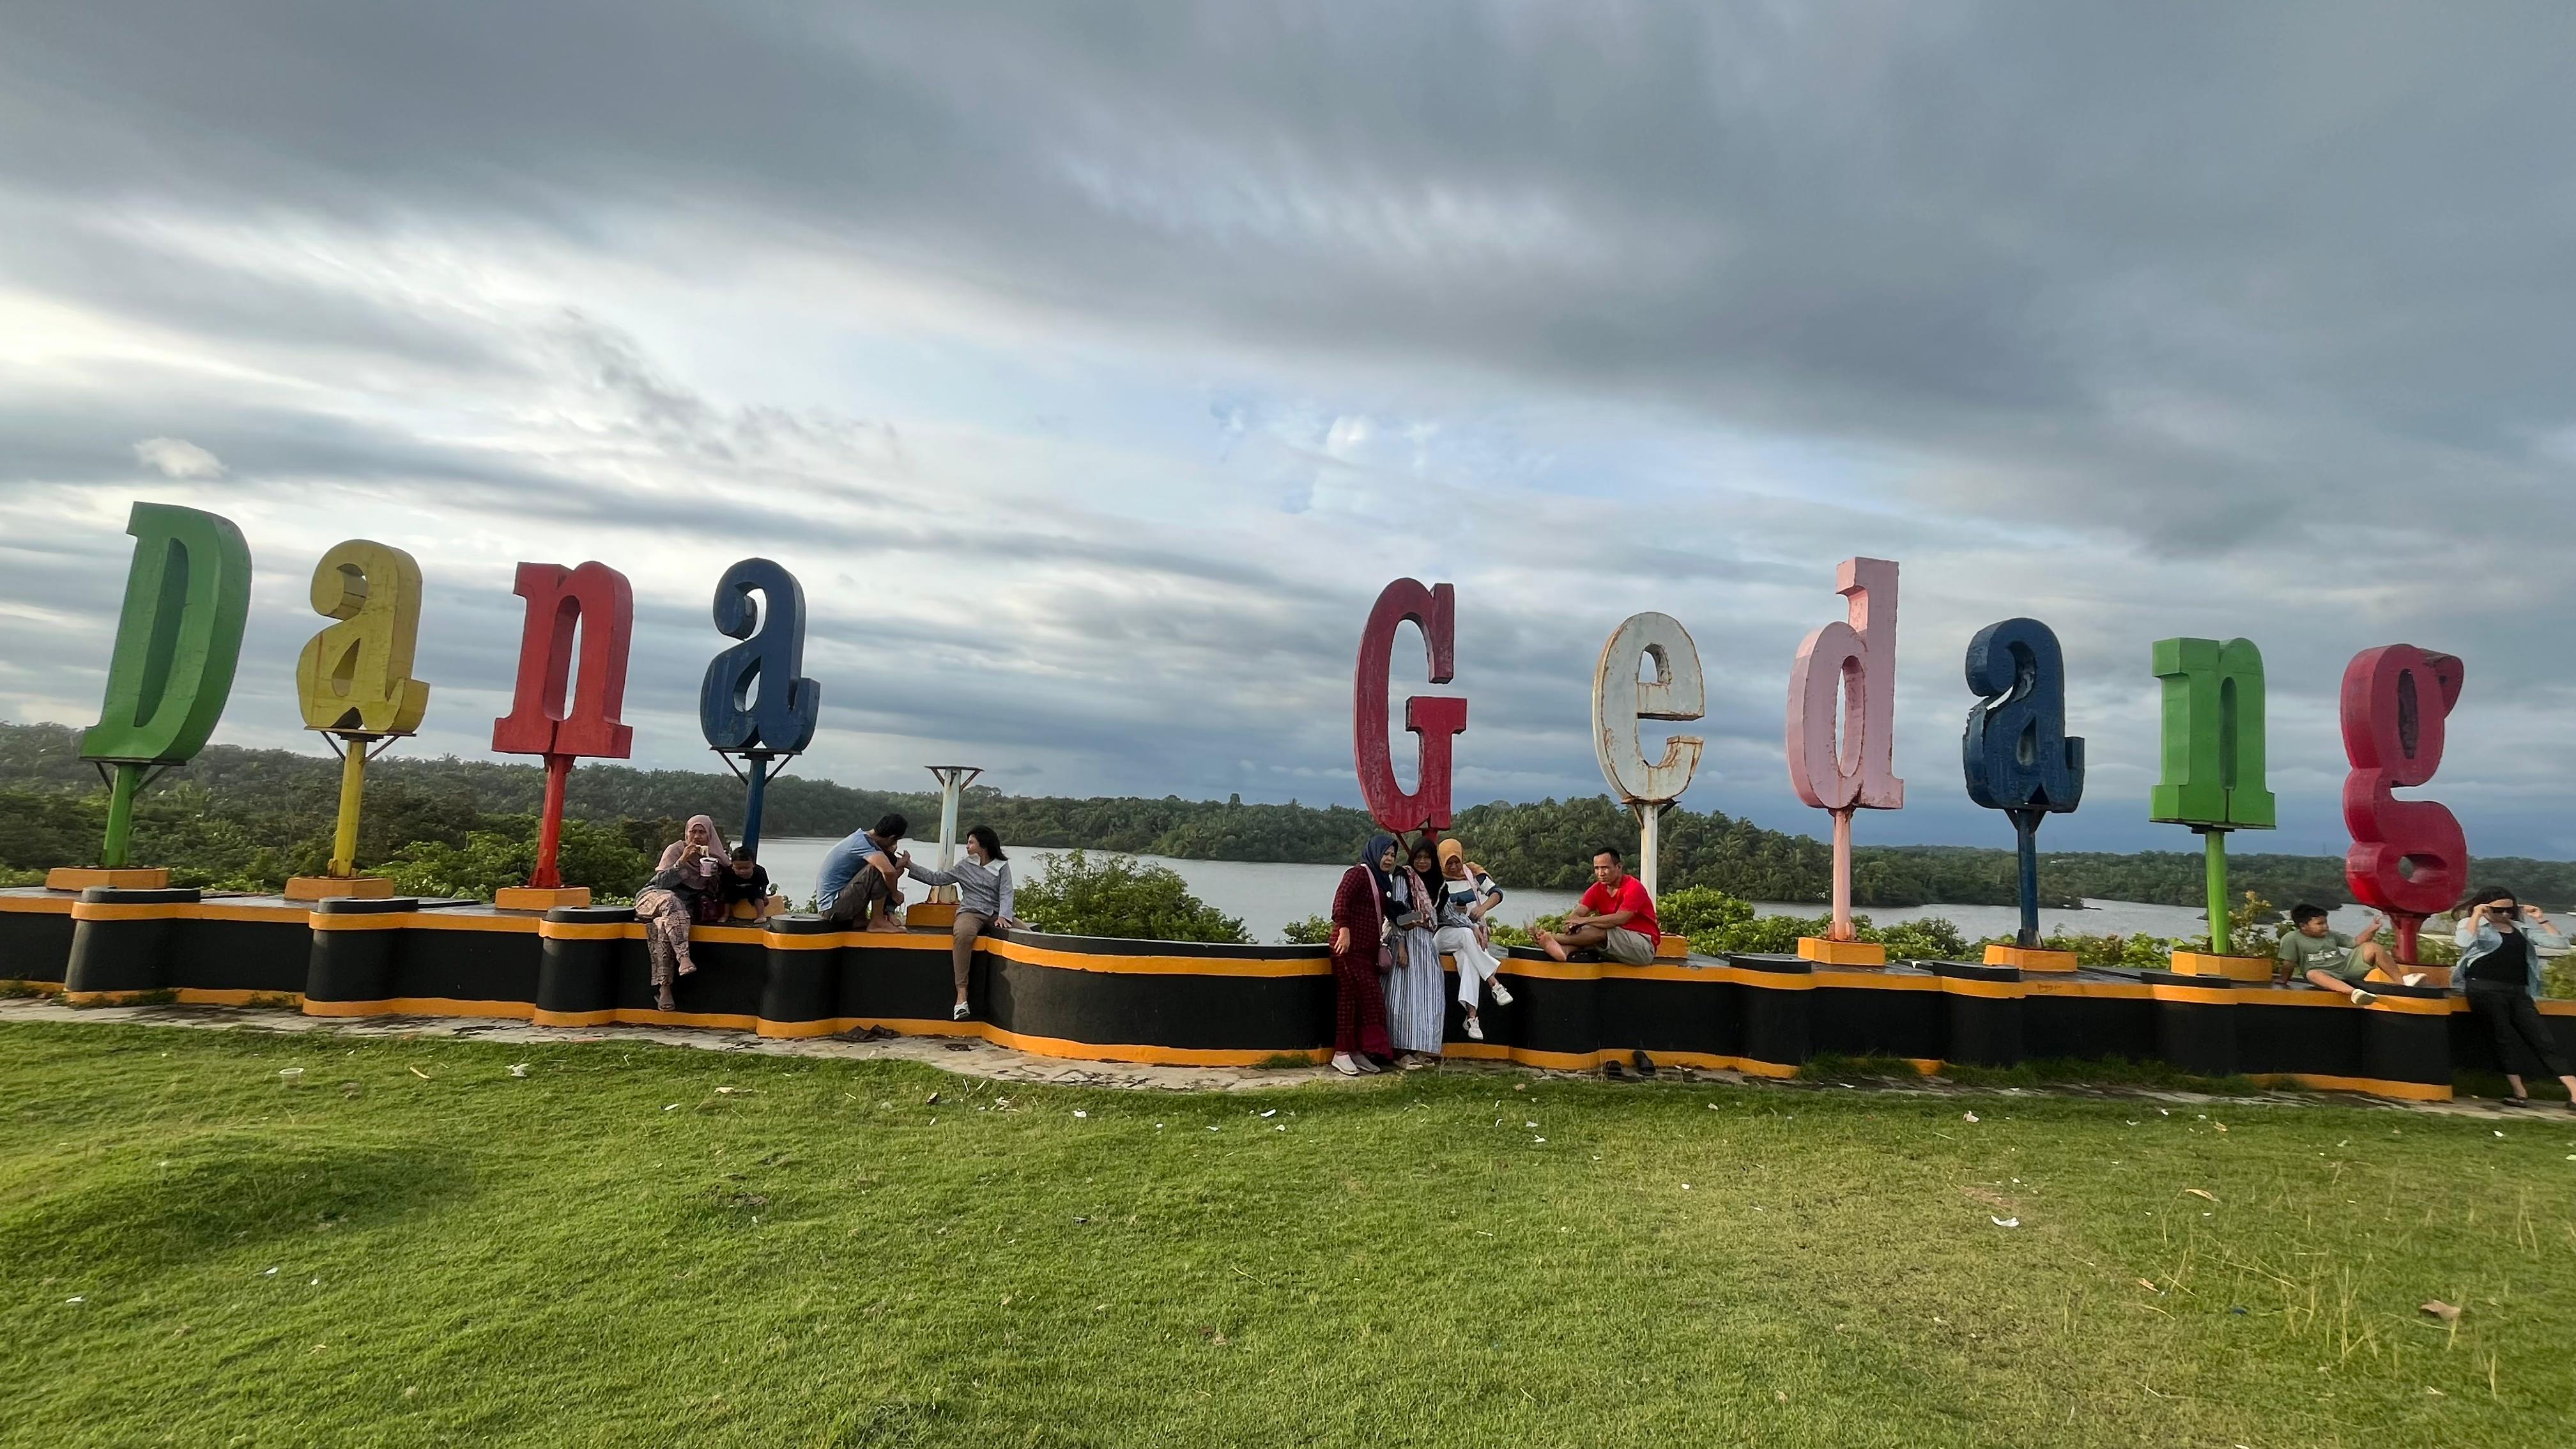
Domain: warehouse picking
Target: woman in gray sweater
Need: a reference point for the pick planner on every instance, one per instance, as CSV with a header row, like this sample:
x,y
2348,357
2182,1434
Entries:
x,y
983,881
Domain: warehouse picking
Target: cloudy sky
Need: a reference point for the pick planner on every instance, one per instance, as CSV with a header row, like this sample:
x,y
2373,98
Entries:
x,y
1095,365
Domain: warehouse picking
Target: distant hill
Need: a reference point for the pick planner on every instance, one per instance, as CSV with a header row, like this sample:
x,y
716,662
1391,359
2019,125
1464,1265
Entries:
x,y
256,814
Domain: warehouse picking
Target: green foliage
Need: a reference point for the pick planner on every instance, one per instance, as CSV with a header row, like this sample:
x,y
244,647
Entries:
x,y
1312,931
1115,895
590,854
2254,927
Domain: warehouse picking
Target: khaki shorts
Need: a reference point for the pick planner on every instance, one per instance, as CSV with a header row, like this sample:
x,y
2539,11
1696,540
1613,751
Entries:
x,y
1629,948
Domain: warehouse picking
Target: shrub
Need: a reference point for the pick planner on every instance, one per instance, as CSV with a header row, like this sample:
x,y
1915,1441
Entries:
x,y
1312,931
1117,895
589,854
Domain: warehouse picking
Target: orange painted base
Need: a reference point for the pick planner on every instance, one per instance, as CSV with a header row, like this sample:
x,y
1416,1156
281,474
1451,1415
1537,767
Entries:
x,y
2254,969
930,915
746,911
1672,948
123,878
1841,953
532,898
2030,959
336,887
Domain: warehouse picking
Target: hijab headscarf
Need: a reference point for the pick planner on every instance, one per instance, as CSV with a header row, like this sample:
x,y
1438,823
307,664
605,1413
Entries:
x,y
1451,850
1379,844
681,849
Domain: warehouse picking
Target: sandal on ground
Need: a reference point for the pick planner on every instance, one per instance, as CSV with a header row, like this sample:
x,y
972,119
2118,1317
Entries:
x,y
1344,1065
2514,1102
1475,1030
1614,1071
665,1003
1502,993
1418,1061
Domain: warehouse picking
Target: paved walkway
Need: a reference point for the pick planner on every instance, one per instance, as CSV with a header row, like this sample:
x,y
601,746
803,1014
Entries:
x,y
982,1059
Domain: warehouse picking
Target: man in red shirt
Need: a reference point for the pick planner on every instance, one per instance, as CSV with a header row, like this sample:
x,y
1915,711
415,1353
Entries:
x,y
1616,917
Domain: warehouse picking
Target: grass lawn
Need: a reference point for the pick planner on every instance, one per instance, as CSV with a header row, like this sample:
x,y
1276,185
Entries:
x,y
404,1244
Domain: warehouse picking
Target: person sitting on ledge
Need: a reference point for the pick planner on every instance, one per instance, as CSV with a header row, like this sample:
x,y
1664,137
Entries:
x,y
744,880
858,885
1615,917
983,884
1465,895
2499,972
2333,961
683,891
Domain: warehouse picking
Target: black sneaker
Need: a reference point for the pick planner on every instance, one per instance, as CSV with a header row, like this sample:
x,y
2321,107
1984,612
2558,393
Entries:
x,y
1645,1065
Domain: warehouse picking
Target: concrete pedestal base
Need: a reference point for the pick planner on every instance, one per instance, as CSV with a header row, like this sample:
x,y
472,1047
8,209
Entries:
x,y
338,887
1672,948
534,898
2031,959
930,915
2256,970
119,878
1841,953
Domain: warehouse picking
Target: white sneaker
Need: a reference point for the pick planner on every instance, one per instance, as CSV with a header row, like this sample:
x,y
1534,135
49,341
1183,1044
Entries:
x,y
2413,978
1502,993
1344,1065
957,1012
1475,1029
2364,998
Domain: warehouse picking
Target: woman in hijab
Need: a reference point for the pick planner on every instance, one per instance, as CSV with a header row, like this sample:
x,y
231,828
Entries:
x,y
686,888
1359,934
1417,1009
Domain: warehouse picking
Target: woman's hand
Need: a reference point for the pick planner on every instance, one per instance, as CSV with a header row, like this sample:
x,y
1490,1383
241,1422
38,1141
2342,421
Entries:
x,y
1010,923
1341,939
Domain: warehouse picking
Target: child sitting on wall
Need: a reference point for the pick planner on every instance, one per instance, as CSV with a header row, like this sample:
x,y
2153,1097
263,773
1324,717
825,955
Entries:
x,y
745,880
2332,960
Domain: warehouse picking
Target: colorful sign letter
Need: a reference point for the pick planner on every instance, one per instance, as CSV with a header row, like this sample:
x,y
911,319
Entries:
x,y
755,701
355,676
597,601
187,596
178,639
2409,857
2017,754
1433,718
2213,753
1620,699
1856,659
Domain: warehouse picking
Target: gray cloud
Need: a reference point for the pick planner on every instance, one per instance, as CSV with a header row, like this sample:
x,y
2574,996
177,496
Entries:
x,y
2240,321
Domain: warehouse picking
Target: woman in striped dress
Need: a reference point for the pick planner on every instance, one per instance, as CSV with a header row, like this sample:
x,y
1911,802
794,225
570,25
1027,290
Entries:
x,y
1417,1008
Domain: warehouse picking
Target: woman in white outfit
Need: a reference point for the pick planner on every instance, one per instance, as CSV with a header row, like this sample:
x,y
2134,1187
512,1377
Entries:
x,y
1465,895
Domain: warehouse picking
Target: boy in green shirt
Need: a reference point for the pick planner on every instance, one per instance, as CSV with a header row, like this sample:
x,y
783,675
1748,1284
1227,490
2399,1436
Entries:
x,y
2331,959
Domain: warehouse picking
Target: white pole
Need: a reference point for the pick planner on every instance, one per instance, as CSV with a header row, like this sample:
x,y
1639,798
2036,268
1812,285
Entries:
x,y
952,789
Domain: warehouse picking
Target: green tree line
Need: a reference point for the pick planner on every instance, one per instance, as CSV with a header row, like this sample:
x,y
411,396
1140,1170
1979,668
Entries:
x,y
249,818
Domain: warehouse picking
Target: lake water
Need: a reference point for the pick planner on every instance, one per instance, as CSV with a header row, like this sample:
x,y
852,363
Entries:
x,y
1267,895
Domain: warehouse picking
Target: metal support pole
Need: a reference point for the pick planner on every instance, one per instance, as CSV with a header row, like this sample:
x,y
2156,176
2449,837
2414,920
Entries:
x,y
953,780
1842,927
1650,838
2026,842
754,796
120,813
2214,852
550,824
353,786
